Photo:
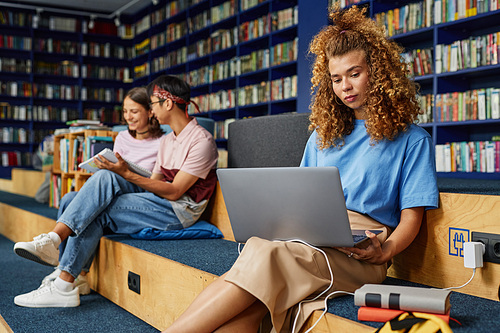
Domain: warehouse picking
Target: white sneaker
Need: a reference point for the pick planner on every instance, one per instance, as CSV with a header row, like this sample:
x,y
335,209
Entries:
x,y
80,282
48,296
40,250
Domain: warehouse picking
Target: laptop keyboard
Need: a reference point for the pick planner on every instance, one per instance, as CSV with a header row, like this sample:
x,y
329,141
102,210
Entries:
x,y
357,238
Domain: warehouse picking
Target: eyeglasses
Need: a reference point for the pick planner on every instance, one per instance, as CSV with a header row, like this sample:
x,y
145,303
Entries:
x,y
158,101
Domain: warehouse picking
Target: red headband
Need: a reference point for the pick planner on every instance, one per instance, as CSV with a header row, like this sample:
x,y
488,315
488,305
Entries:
x,y
163,94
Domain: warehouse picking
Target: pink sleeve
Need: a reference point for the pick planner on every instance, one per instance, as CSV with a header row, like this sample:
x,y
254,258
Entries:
x,y
201,159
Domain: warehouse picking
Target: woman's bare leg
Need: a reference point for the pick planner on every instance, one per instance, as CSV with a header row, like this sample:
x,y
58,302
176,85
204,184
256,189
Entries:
x,y
215,306
247,321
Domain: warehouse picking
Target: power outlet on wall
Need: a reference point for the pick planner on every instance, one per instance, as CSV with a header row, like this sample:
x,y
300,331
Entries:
x,y
491,243
134,282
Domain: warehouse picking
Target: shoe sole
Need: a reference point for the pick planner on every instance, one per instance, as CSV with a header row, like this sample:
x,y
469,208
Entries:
x,y
30,256
60,305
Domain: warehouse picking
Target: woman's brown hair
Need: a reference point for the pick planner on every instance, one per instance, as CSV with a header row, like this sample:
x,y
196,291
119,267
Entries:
x,y
391,98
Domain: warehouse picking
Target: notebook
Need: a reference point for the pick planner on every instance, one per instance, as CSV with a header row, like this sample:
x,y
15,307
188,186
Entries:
x,y
288,203
108,154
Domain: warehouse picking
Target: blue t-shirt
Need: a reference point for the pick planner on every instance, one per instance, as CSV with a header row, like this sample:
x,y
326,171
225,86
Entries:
x,y
383,178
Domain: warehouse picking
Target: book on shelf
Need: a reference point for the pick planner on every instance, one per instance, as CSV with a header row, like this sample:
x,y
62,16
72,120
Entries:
x,y
474,156
366,313
108,154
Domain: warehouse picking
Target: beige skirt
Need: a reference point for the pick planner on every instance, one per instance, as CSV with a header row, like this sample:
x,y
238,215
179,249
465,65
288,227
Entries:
x,y
281,274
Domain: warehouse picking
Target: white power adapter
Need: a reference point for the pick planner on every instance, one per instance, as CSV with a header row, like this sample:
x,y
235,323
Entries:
x,y
473,254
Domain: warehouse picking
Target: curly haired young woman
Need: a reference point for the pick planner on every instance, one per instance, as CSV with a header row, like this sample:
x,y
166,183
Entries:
x,y
363,113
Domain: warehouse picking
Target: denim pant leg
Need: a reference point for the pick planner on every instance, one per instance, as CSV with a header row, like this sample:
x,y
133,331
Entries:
x,y
128,213
93,198
65,201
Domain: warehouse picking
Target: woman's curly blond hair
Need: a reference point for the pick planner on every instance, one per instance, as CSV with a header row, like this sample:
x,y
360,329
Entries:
x,y
391,99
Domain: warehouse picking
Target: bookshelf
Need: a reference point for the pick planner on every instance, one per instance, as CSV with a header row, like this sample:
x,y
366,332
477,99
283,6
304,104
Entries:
x,y
243,58
461,85
70,149
54,70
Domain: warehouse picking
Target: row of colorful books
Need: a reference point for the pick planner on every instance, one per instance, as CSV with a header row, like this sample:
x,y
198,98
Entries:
x,y
19,19
15,42
214,15
56,91
16,88
472,52
50,45
20,135
58,23
74,151
452,10
15,65
109,95
420,61
105,115
476,104
256,60
426,13
220,100
36,112
105,72
175,31
172,58
106,50
410,17
16,158
63,68
247,4
275,90
474,156
221,128
15,135
223,11
143,47
141,70
284,88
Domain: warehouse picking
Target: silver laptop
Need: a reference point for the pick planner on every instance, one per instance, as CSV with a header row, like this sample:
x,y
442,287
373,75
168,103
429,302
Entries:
x,y
288,203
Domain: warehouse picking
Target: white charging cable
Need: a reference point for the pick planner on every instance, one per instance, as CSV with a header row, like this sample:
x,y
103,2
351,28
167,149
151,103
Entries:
x,y
473,273
319,295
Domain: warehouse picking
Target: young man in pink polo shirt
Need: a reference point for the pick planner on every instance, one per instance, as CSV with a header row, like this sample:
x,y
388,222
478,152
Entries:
x,y
116,198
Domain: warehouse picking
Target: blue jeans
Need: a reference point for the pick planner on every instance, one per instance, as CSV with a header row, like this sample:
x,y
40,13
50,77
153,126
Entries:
x,y
107,200
65,200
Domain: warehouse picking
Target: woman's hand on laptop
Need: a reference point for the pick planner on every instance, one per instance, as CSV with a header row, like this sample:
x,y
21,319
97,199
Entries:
x,y
372,253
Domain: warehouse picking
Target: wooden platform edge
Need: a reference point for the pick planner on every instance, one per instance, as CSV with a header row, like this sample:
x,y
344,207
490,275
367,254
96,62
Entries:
x,y
24,182
435,258
4,327
19,225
